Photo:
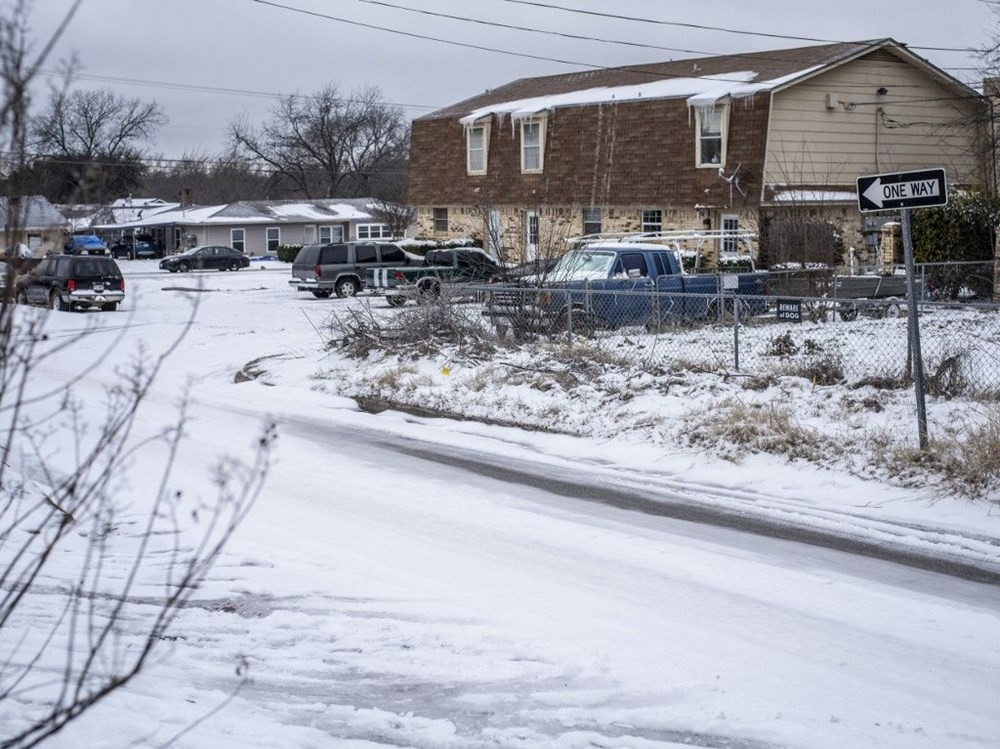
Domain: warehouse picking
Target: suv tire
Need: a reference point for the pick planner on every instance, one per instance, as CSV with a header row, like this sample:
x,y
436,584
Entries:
x,y
56,302
346,287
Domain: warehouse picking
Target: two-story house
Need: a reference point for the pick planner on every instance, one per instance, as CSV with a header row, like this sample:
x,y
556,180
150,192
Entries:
x,y
708,143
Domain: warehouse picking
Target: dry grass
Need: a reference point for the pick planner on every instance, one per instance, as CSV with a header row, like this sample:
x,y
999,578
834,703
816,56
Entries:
x,y
970,465
757,428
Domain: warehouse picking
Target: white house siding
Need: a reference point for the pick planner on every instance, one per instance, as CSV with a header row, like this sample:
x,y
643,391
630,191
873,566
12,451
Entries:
x,y
255,235
919,123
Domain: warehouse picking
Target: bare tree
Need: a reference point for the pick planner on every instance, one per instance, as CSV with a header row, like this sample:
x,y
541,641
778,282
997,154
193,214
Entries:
x,y
77,563
205,179
89,144
397,216
327,145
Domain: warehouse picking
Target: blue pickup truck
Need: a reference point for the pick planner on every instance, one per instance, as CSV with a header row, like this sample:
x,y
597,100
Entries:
x,y
615,284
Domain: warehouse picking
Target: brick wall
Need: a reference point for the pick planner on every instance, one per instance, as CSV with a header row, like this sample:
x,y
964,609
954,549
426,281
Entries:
x,y
630,153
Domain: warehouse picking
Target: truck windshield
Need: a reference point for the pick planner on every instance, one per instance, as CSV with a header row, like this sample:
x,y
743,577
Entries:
x,y
584,262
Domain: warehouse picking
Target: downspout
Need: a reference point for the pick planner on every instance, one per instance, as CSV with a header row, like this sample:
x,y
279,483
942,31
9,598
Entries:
x,y
878,118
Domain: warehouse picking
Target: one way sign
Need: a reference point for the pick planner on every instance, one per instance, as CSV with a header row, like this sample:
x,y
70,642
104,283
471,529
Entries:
x,y
920,189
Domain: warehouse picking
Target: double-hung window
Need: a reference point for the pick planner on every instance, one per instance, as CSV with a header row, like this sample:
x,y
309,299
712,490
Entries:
x,y
440,220
238,239
532,145
374,231
652,220
591,220
328,234
712,136
273,238
477,138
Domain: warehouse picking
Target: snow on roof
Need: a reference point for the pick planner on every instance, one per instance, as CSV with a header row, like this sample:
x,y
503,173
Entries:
x,y
700,92
36,213
257,212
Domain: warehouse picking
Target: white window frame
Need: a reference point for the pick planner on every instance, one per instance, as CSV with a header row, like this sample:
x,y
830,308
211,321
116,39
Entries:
x,y
268,240
729,245
374,231
528,123
238,244
335,233
483,128
599,221
723,111
643,223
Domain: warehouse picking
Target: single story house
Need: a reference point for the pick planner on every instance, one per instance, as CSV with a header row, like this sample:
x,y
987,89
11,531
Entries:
x,y
258,227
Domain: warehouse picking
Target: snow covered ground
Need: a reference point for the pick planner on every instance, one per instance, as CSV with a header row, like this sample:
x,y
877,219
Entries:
x,y
427,582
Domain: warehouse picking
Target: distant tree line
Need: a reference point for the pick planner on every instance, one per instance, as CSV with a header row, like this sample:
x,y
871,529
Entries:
x,y
94,145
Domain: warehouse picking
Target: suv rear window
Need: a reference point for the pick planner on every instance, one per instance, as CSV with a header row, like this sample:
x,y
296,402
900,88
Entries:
x,y
308,255
94,267
335,254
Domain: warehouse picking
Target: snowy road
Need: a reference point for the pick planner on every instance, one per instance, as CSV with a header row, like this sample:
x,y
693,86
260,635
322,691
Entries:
x,y
431,583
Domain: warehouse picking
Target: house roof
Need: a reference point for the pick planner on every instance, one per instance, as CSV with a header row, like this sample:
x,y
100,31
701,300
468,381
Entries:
x,y
39,214
244,212
702,81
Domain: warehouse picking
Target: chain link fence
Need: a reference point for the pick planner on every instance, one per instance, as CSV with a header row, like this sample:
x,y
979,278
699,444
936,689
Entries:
x,y
827,338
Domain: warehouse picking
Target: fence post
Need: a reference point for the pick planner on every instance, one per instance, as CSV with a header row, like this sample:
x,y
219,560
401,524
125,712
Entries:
x,y
736,331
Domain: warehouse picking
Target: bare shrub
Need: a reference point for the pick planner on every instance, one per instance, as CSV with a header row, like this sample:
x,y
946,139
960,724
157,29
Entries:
x,y
946,379
820,370
421,330
781,345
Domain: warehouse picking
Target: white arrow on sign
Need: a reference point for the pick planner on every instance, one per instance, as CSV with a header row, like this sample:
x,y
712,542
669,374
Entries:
x,y
879,194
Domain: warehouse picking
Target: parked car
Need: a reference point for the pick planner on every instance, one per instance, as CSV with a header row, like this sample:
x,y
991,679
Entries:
x,y
206,257
85,244
324,269
132,251
68,282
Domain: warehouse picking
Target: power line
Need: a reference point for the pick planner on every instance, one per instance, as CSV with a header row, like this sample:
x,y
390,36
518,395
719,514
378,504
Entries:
x,y
705,27
174,86
483,48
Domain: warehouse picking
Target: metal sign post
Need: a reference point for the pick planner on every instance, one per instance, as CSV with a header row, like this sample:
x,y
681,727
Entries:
x,y
903,191
914,331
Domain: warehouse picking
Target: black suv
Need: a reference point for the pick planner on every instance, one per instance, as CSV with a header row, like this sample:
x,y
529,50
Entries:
x,y
69,282
340,268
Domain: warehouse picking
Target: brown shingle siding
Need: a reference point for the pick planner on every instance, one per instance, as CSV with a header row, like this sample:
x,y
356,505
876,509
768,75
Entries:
x,y
639,152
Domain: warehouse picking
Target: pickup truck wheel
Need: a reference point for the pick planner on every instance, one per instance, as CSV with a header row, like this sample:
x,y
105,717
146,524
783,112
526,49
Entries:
x,y
346,287
396,301
321,294
847,312
578,323
109,307
428,291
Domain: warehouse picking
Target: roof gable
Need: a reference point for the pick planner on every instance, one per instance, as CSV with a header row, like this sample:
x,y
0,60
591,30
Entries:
x,y
701,81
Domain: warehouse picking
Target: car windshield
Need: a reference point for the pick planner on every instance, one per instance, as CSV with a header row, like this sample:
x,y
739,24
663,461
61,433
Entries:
x,y
582,261
193,250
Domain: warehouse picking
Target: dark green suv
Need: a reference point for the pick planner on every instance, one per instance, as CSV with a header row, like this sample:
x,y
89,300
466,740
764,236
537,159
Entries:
x,y
68,282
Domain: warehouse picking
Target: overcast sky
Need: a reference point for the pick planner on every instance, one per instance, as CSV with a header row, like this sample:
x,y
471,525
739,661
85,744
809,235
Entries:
x,y
168,49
